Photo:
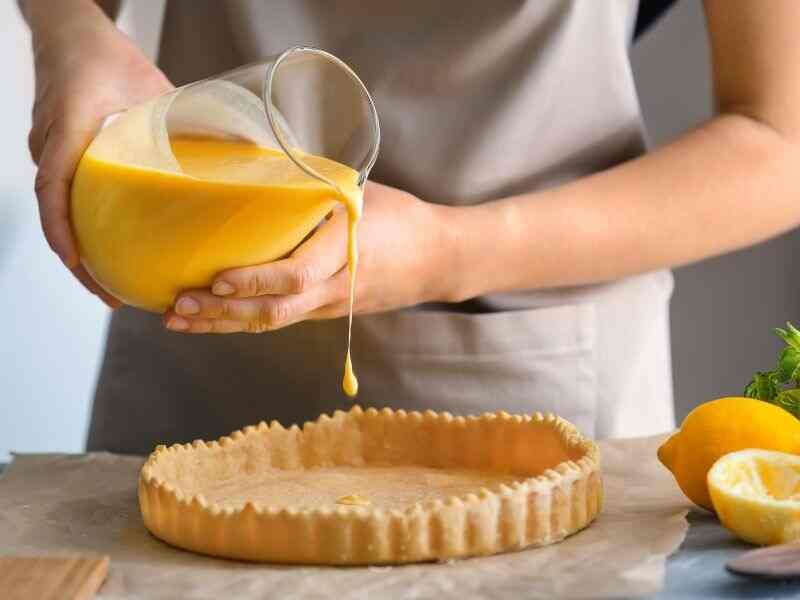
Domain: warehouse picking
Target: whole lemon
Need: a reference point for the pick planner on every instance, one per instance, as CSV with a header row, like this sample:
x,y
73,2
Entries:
x,y
721,426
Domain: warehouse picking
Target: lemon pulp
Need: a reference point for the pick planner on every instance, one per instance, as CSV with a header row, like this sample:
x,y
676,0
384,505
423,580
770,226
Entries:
x,y
756,494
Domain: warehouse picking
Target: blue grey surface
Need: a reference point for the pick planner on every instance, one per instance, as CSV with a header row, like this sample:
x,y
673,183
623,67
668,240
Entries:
x,y
697,570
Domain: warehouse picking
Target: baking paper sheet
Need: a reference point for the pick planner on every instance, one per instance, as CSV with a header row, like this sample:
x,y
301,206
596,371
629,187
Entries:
x,y
51,504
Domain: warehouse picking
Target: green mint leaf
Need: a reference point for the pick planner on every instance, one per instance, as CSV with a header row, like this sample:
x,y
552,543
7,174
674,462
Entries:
x,y
790,335
789,400
788,365
762,387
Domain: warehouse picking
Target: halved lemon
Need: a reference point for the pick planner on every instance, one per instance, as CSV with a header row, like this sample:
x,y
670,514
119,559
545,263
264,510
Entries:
x,y
756,494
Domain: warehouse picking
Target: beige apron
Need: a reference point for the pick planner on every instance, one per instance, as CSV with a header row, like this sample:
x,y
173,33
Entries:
x,y
477,101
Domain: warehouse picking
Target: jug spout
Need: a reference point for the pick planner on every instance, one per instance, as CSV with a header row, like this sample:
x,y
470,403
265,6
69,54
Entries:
x,y
316,104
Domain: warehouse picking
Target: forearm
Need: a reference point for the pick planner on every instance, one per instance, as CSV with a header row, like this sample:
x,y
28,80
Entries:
x,y
63,20
729,184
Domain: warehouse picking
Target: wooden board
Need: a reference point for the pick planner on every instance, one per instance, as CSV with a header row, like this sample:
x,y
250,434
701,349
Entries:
x,y
51,577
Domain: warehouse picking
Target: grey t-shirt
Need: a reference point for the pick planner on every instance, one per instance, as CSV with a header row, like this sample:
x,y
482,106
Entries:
x,y
477,101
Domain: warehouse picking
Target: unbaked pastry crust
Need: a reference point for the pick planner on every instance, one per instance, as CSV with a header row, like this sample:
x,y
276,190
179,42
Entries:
x,y
516,481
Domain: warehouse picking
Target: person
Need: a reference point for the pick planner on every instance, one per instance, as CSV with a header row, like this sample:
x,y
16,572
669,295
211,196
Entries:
x,y
517,237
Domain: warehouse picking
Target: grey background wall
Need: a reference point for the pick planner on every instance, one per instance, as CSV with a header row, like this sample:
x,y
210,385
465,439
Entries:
x,y
51,331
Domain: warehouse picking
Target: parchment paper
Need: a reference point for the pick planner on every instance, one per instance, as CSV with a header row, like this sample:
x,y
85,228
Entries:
x,y
87,504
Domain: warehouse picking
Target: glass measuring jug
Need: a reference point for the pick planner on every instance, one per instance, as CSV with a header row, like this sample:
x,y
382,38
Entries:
x,y
147,229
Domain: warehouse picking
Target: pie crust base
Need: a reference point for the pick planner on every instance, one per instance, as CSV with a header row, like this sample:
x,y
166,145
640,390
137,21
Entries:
x,y
427,486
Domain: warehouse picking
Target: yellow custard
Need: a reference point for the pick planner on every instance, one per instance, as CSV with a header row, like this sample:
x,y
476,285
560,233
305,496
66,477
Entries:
x,y
353,500
147,234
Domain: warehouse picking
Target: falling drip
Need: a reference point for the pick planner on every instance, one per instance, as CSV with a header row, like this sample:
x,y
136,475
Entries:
x,y
349,381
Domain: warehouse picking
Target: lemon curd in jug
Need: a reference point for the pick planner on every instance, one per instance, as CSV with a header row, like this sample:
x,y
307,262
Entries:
x,y
147,234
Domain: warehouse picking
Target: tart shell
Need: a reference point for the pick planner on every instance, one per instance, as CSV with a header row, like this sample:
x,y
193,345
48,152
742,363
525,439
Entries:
x,y
555,488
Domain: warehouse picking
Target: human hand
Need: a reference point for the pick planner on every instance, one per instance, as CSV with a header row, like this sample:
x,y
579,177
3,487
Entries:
x,y
404,254
85,70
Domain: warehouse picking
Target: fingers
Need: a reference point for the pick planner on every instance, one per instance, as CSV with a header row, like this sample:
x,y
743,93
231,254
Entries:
x,y
329,311
181,325
57,152
316,260
80,79
199,311
59,157
36,138
40,120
